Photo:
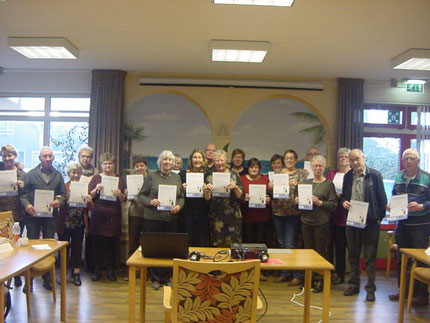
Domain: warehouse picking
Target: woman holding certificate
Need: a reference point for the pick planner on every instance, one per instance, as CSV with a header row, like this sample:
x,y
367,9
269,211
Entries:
x,y
107,192
316,222
338,218
163,198
194,218
256,214
226,193
286,214
9,200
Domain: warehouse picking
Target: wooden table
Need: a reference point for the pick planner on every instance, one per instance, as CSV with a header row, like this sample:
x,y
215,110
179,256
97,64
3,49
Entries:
x,y
407,253
300,259
21,259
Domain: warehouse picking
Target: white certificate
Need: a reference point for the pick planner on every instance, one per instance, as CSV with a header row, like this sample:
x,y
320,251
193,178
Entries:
x,y
257,196
42,199
220,182
134,184
194,184
167,197
281,186
357,214
307,166
305,196
78,194
338,182
8,185
110,183
399,207
270,174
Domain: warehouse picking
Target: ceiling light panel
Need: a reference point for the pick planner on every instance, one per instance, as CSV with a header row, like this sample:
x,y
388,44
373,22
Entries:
x,y
239,51
274,3
44,48
412,59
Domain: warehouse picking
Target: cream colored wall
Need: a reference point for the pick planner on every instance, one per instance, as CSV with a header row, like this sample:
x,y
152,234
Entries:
x,y
224,106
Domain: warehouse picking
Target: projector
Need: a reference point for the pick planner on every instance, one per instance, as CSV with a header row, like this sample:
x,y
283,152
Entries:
x,y
249,251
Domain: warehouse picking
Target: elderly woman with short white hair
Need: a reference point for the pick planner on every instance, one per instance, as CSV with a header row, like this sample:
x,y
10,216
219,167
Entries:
x,y
224,213
156,220
85,156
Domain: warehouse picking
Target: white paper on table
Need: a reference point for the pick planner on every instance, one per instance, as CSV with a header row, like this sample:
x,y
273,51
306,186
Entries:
x,y
41,247
270,175
220,182
42,199
357,214
78,194
134,184
194,184
5,247
257,196
307,166
305,196
399,207
272,251
8,183
110,183
281,186
338,182
167,197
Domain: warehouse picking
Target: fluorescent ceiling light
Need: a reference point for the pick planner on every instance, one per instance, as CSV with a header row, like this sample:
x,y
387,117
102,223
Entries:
x,y
274,3
44,48
415,81
412,59
239,51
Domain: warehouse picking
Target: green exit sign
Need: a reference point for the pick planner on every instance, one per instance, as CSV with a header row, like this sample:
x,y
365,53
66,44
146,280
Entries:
x,y
418,88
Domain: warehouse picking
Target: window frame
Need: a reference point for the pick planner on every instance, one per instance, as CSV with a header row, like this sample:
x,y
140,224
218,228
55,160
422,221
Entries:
x,y
376,106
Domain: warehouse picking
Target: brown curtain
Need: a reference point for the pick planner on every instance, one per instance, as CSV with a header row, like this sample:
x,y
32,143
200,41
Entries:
x,y
106,114
350,127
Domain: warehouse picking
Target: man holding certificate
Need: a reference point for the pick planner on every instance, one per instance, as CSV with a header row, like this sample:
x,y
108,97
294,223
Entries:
x,y
43,194
414,230
363,185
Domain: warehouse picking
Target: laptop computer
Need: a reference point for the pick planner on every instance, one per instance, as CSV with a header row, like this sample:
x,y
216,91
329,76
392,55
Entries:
x,y
164,245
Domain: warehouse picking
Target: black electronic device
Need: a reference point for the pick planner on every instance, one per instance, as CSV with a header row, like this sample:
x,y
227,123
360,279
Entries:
x,y
164,245
249,251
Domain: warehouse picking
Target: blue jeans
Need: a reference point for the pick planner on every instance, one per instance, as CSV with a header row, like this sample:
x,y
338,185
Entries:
x,y
287,230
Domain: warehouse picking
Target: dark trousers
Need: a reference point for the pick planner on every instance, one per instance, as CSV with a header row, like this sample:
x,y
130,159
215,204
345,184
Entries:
x,y
256,232
366,239
135,228
160,274
412,237
104,251
74,237
338,243
197,228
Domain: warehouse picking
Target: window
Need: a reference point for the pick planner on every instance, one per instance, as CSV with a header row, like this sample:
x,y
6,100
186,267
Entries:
x,y
31,122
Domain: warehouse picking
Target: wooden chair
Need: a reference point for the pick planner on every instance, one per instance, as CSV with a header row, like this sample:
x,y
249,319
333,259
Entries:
x,y
219,291
420,273
6,224
391,249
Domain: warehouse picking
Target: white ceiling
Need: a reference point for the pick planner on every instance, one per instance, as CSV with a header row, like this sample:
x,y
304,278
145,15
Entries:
x,y
314,39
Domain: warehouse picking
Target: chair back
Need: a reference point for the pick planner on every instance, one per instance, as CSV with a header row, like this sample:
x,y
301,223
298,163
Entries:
x,y
215,291
6,224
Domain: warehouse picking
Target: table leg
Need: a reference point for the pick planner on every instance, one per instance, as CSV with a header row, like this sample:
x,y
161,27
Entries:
x,y
142,308
1,302
326,296
402,287
307,300
63,255
27,294
131,294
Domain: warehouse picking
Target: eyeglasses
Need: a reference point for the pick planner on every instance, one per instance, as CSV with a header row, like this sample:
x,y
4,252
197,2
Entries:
x,y
409,159
107,164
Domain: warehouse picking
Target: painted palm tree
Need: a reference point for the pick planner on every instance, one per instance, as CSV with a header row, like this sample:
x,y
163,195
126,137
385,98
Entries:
x,y
132,133
316,130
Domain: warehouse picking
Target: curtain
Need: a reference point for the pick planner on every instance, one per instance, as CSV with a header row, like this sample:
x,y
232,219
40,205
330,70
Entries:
x,y
106,114
350,106
423,136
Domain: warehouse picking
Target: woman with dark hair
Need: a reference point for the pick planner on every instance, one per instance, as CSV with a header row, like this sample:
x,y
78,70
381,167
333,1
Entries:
x,y
237,159
194,217
105,222
286,215
255,220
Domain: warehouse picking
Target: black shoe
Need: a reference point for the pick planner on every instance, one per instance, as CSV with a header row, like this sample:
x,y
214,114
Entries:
x,y
338,281
111,275
96,276
351,291
17,281
47,284
318,287
370,297
24,290
77,280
